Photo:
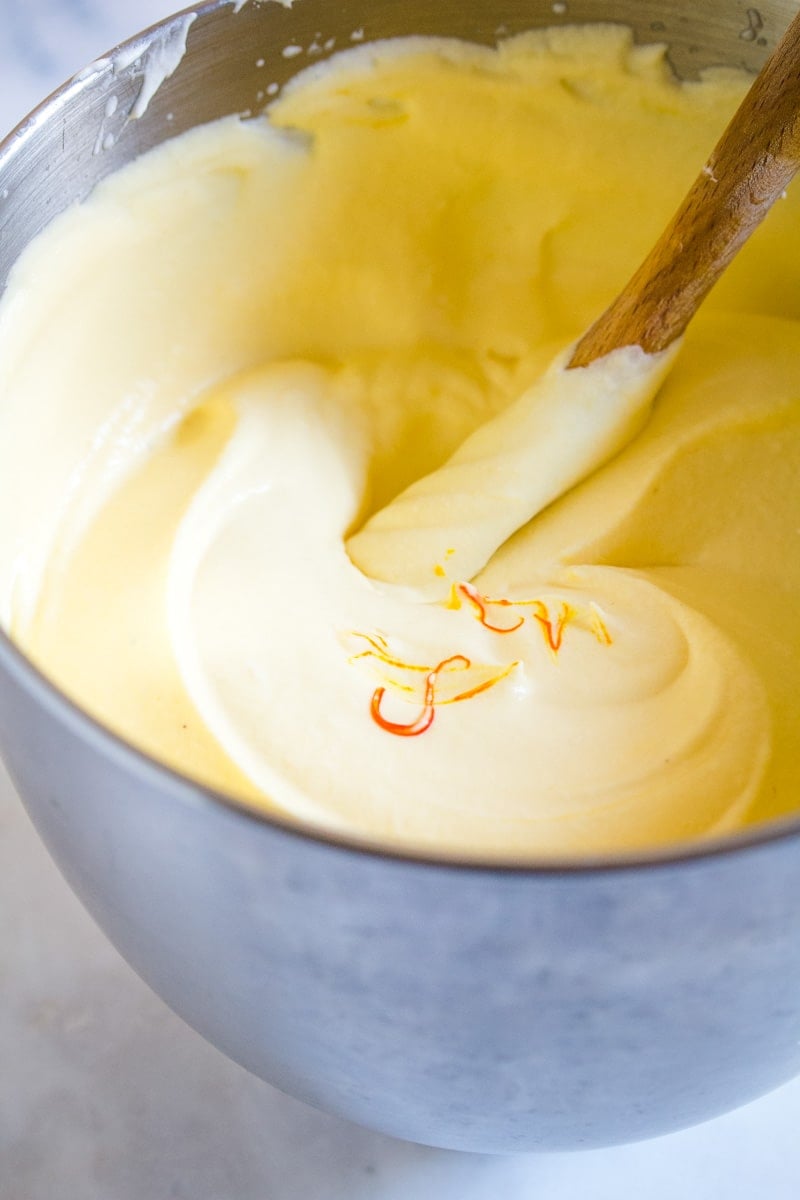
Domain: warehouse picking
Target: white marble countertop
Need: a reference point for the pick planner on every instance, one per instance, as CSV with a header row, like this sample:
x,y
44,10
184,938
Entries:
x,y
105,1095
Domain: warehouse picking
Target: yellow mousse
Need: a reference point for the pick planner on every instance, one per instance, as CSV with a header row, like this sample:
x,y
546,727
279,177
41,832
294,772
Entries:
x,y
245,343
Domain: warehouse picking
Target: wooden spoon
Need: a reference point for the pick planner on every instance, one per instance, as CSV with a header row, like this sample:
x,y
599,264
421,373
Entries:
x,y
750,168
448,524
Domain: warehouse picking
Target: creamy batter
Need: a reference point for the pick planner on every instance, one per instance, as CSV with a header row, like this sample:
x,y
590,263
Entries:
x,y
250,340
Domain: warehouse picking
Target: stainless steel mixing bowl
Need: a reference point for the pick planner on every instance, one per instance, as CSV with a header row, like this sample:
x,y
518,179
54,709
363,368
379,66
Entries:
x,y
486,1008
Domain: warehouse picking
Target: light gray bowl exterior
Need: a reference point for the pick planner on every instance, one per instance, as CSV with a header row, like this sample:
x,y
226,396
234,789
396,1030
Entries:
x,y
479,1008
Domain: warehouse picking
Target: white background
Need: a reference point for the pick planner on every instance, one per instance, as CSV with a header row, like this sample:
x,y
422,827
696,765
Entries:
x,y
105,1095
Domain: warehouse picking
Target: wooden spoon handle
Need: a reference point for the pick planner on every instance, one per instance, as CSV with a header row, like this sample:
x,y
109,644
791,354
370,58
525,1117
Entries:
x,y
749,169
